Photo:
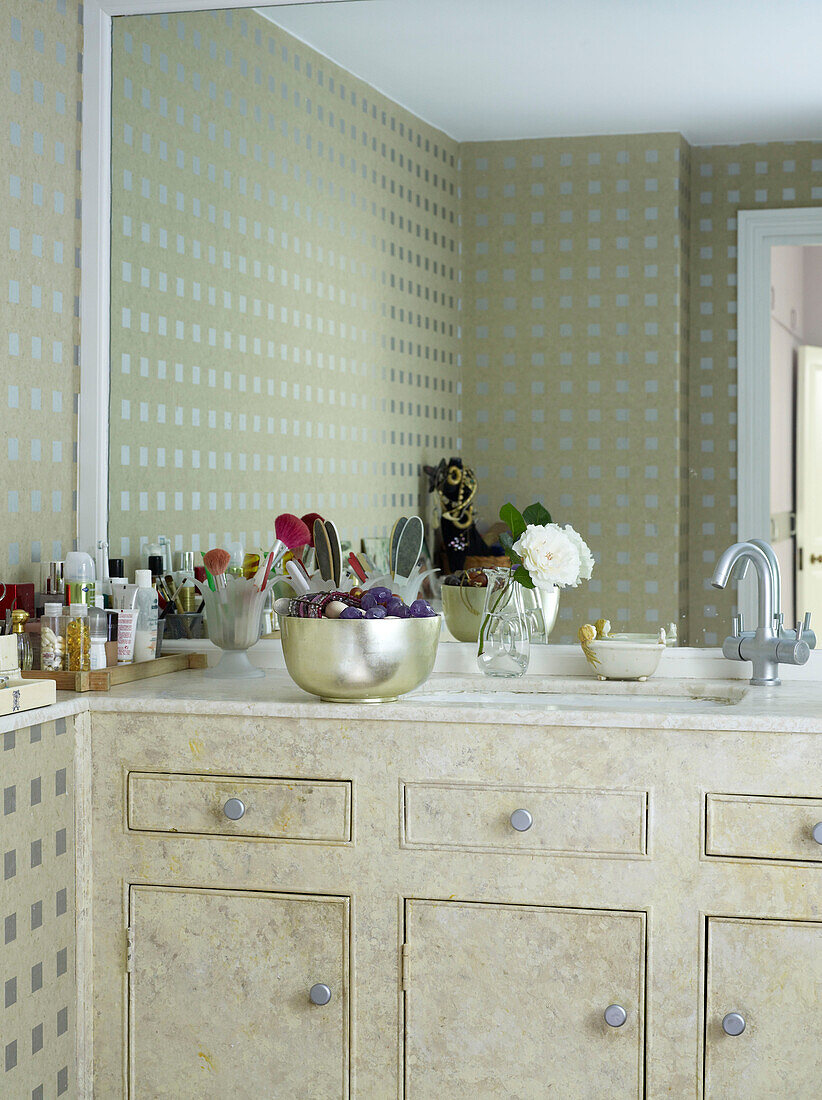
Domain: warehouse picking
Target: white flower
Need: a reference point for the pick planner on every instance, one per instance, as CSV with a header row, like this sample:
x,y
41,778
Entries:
x,y
586,558
549,555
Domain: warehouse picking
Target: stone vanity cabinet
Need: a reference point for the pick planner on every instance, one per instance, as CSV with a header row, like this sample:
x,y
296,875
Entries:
x,y
331,905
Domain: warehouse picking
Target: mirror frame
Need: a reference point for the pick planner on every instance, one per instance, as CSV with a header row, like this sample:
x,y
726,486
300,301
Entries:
x,y
757,232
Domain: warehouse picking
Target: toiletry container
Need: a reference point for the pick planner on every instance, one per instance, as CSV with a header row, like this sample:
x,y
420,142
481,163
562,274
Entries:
x,y
78,639
52,638
98,633
145,640
19,619
80,576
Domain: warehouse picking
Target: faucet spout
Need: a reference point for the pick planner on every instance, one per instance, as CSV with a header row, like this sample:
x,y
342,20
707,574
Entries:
x,y
765,579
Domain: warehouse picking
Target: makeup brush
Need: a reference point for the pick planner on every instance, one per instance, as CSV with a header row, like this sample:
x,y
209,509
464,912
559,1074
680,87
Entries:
x,y
291,530
216,562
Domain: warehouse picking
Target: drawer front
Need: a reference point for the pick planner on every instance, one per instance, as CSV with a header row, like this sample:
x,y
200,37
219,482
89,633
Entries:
x,y
760,827
564,820
281,809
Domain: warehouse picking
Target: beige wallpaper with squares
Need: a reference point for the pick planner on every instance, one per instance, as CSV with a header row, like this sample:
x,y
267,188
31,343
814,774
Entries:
x,y
39,325
724,180
574,260
285,288
37,889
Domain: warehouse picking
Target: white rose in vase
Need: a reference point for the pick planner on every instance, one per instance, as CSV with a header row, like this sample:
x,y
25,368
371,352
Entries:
x,y
586,558
551,556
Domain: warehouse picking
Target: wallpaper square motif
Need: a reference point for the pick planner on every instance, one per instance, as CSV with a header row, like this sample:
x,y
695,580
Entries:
x,y
37,890
39,304
285,288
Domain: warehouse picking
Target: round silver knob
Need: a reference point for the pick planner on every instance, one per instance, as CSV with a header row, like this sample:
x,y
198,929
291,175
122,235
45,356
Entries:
x,y
521,820
319,994
234,809
733,1023
816,832
615,1015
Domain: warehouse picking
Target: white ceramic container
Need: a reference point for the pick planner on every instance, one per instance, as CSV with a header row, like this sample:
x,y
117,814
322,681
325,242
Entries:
x,y
625,656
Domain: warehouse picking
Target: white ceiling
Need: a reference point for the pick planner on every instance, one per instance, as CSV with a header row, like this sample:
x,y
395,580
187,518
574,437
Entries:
x,y
718,71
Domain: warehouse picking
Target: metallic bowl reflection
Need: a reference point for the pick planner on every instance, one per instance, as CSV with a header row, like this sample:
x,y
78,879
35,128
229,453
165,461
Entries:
x,y
360,660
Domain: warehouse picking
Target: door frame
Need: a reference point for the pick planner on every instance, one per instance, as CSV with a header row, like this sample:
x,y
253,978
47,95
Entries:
x,y
757,232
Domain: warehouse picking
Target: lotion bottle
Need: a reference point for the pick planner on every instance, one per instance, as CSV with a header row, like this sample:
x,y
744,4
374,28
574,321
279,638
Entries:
x,y
145,640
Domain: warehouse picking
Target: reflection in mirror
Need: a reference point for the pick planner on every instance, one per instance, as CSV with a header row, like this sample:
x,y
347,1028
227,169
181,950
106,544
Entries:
x,y
315,292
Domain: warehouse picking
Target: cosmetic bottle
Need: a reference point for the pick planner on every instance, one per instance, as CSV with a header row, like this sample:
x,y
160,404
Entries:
x,y
19,618
80,576
52,638
98,632
145,640
78,639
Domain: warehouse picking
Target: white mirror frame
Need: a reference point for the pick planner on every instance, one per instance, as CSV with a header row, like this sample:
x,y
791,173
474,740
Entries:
x,y
95,292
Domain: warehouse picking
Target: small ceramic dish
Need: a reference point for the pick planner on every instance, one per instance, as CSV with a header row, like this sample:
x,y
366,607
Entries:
x,y
625,656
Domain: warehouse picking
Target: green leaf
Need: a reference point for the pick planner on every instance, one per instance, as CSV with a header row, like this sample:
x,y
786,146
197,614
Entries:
x,y
507,540
512,518
523,577
537,514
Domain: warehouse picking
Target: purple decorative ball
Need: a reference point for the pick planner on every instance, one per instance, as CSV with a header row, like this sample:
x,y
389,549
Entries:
x,y
395,606
381,594
377,612
351,613
421,609
369,600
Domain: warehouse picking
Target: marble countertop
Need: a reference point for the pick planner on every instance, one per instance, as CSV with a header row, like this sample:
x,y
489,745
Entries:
x,y
795,706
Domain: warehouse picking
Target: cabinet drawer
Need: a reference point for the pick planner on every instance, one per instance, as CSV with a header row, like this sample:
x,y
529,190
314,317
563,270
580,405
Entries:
x,y
761,827
282,809
563,819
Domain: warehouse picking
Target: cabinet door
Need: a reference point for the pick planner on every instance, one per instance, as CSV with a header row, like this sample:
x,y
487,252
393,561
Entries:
x,y
219,994
509,1001
769,973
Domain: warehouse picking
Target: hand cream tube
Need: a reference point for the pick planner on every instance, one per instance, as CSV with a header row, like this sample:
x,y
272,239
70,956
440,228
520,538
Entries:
x,y
126,631
124,595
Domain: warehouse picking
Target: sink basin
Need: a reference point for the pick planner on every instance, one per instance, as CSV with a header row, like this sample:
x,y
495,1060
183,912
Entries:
x,y
554,693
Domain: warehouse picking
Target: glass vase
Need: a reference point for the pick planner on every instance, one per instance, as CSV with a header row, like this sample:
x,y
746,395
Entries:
x,y
504,645
234,616
541,606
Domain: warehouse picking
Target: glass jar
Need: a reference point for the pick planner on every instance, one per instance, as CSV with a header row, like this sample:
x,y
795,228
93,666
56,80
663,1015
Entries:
x,y
78,639
52,638
504,646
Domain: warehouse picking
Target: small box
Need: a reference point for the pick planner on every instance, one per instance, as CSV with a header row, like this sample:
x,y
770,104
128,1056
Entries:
x,y
14,596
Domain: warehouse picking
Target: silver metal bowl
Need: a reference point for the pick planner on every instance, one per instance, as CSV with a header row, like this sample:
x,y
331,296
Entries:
x,y
360,660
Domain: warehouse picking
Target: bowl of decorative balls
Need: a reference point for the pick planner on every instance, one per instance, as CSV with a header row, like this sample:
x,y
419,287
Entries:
x,y
463,600
362,646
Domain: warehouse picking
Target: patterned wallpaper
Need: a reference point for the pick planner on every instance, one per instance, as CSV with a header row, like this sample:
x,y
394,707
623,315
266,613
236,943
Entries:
x,y
574,261
37,964
285,287
39,325
724,180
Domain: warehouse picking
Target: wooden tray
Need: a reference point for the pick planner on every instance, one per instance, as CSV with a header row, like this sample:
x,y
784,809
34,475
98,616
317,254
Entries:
x,y
105,678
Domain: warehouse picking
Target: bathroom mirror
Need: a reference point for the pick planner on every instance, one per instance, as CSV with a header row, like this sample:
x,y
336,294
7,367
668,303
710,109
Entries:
x,y
316,289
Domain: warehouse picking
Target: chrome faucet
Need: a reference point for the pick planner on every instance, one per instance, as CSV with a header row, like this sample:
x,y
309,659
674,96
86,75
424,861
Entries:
x,y
770,644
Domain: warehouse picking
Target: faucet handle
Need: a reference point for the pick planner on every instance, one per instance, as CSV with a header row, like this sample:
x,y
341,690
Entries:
x,y
778,621
738,624
806,624
799,630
